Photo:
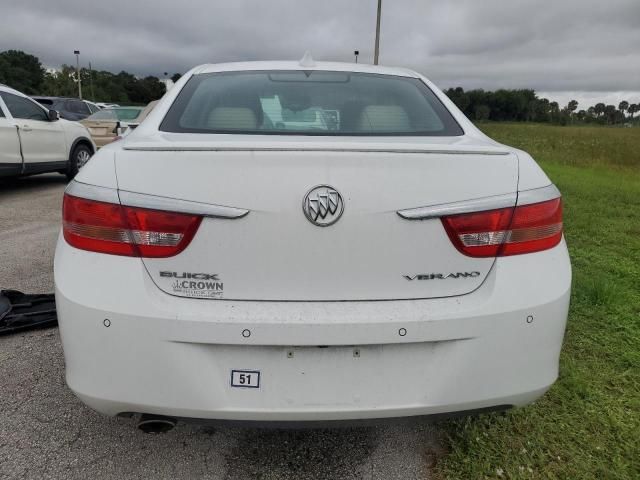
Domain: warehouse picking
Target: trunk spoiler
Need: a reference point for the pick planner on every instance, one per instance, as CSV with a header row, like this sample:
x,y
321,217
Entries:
x,y
256,146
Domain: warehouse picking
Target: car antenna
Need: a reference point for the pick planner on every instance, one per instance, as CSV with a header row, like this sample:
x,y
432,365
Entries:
x,y
307,60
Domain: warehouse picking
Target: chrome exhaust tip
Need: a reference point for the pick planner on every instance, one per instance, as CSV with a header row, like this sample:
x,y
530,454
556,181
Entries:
x,y
156,423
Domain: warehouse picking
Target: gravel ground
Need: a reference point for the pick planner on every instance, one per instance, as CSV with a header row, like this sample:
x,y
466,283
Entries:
x,y
45,432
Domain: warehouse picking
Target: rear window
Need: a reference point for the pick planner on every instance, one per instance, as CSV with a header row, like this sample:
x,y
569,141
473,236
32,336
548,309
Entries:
x,y
47,102
77,106
107,114
308,103
93,107
116,114
127,113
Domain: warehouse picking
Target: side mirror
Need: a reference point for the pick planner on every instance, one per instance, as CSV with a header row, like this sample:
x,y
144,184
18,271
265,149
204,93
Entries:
x,y
53,115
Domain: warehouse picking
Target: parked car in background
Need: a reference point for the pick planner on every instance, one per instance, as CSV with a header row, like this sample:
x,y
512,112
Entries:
x,y
93,107
33,139
131,126
251,262
107,105
68,108
107,124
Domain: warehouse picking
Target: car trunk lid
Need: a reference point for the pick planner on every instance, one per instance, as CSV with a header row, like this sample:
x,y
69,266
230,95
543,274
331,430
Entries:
x,y
276,253
100,128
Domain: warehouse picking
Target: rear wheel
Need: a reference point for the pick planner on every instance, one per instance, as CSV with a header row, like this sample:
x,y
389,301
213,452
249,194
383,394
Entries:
x,y
79,158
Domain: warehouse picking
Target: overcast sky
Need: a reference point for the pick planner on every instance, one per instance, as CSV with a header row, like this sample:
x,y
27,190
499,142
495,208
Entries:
x,y
583,49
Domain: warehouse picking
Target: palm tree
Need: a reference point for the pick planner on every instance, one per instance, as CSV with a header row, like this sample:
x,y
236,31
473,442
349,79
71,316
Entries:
x,y
633,108
555,111
572,106
623,106
610,114
599,109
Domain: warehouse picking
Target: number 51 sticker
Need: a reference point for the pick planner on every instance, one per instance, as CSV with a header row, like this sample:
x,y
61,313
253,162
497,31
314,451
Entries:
x,y
245,378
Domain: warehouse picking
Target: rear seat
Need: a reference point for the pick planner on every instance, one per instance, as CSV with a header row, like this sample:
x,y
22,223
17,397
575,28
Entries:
x,y
384,118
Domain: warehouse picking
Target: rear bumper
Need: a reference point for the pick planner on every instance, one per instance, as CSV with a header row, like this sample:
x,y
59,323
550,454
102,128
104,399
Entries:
x,y
318,361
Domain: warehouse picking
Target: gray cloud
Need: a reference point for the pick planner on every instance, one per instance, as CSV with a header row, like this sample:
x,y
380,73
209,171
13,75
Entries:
x,y
549,45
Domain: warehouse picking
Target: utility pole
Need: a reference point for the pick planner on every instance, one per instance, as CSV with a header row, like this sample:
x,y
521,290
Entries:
x,y
377,50
93,97
77,54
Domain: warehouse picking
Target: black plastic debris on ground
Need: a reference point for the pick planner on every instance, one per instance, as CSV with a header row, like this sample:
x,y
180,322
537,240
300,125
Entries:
x,y
19,311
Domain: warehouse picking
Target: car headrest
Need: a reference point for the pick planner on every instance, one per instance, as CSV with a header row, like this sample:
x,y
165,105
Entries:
x,y
230,118
384,118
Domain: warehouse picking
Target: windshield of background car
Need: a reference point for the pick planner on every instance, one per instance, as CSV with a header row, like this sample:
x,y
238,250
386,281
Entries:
x,y
47,102
308,103
116,114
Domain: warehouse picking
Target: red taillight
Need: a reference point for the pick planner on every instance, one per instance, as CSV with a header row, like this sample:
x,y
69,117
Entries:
x,y
129,231
507,231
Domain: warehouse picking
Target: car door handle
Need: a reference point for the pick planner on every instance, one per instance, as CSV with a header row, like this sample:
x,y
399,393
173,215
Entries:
x,y
26,128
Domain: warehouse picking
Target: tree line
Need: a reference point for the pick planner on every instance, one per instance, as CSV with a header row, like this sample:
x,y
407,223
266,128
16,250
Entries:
x,y
525,106
25,73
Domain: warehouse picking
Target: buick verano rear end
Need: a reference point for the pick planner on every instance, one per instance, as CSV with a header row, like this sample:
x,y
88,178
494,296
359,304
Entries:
x,y
299,242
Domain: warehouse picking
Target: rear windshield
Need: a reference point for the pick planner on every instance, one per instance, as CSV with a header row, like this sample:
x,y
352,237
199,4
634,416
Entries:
x,y
308,103
115,114
44,101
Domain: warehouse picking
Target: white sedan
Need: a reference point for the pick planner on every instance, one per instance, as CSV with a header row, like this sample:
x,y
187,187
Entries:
x,y
234,258
35,140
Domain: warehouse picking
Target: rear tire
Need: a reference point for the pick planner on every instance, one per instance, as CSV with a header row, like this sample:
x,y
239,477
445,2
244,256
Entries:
x,y
79,157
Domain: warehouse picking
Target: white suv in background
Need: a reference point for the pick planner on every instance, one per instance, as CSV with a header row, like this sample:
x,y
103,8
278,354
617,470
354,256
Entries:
x,y
35,140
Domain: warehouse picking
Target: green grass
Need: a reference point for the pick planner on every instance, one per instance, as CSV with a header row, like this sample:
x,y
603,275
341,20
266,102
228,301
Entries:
x,y
588,425
579,146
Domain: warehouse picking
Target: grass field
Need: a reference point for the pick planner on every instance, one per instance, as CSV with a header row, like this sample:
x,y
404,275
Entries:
x,y
588,425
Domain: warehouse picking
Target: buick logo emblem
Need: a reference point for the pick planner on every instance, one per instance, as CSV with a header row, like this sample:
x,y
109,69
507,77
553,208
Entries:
x,y
323,205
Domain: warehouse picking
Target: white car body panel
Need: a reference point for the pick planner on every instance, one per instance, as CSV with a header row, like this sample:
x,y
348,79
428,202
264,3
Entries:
x,y
42,141
326,315
9,143
100,169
